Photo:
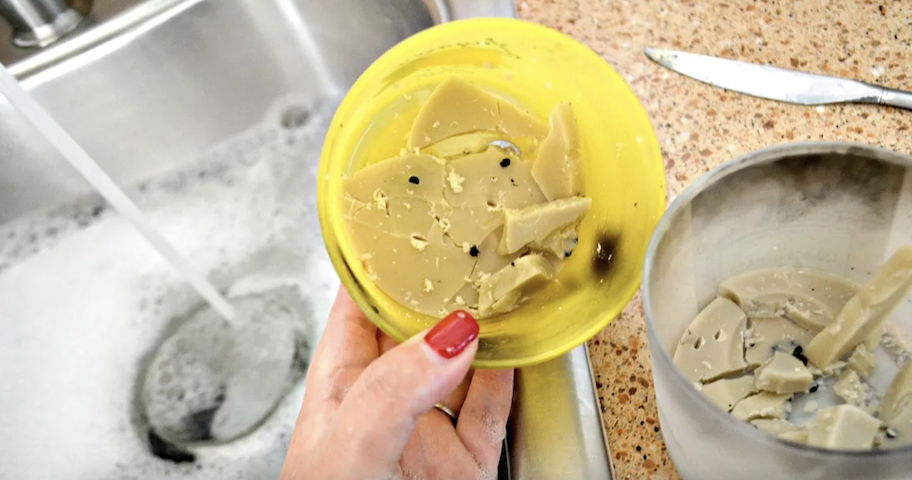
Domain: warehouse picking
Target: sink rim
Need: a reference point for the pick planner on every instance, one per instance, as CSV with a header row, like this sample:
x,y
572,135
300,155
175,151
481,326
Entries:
x,y
146,14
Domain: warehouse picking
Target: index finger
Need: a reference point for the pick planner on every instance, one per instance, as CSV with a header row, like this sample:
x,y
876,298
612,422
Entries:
x,y
348,346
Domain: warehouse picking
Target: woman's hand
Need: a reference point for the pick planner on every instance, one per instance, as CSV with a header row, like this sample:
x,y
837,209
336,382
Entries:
x,y
369,413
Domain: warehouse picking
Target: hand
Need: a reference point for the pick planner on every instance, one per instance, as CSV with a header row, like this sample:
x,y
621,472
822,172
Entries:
x,y
369,413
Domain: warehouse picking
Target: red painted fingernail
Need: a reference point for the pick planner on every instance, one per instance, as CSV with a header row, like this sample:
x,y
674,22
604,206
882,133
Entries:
x,y
453,334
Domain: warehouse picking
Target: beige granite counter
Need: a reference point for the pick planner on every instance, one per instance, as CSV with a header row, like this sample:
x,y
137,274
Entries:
x,y
700,127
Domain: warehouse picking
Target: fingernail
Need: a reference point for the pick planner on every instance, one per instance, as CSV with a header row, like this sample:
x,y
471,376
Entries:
x,y
453,334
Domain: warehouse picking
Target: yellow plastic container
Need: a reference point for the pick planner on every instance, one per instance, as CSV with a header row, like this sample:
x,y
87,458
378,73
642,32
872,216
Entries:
x,y
537,68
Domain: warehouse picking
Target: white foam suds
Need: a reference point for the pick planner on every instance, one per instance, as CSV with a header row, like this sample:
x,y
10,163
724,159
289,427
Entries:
x,y
83,299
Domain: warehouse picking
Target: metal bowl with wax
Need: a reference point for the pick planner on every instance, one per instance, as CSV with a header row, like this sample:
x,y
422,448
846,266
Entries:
x,y
839,208
536,68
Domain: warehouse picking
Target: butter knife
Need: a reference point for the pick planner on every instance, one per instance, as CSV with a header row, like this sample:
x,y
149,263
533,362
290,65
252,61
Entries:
x,y
775,83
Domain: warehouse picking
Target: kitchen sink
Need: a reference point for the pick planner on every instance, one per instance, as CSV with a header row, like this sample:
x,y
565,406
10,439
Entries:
x,y
211,114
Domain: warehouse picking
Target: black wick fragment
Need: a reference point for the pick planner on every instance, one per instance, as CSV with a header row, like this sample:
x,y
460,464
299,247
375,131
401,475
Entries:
x,y
505,163
473,251
414,179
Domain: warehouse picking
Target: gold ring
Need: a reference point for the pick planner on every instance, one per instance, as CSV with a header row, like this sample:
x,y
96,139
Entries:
x,y
446,411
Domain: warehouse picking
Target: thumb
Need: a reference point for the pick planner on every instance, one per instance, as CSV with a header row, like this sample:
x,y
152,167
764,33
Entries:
x,y
379,412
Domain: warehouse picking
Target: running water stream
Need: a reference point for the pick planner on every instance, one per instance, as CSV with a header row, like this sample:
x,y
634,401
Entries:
x,y
105,186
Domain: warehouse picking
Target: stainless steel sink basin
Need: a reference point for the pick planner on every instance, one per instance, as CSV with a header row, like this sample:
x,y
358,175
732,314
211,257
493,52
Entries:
x,y
211,113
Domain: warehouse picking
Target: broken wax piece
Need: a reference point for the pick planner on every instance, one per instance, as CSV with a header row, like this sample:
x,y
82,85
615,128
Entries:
x,y
466,225
561,243
896,406
461,145
712,347
874,339
762,405
441,263
797,436
862,361
843,427
456,107
558,168
494,178
504,288
783,373
865,312
727,392
535,223
411,218
765,334
774,426
407,177
852,390
810,299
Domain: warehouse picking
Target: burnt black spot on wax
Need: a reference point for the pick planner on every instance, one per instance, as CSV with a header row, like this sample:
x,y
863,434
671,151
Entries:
x,y
165,450
605,253
474,251
414,180
799,354
814,388
505,163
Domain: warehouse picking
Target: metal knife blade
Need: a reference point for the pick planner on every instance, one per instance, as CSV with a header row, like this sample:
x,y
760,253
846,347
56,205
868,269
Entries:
x,y
776,83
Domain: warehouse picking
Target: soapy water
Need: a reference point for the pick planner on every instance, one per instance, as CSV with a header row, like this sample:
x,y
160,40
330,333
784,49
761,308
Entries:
x,y
85,302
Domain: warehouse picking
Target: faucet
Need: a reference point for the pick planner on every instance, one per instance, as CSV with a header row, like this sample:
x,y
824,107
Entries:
x,y
39,23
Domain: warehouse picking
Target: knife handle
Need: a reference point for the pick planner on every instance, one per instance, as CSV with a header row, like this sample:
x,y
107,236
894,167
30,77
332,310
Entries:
x,y
896,98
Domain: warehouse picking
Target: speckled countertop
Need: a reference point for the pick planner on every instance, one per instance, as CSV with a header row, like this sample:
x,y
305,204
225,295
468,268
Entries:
x,y
699,127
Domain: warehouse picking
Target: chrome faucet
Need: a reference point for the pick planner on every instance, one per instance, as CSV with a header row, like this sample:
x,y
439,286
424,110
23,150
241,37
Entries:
x,y
39,23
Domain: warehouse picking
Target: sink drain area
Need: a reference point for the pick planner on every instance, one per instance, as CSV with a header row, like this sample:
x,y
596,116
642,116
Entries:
x,y
209,383
166,450
198,424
